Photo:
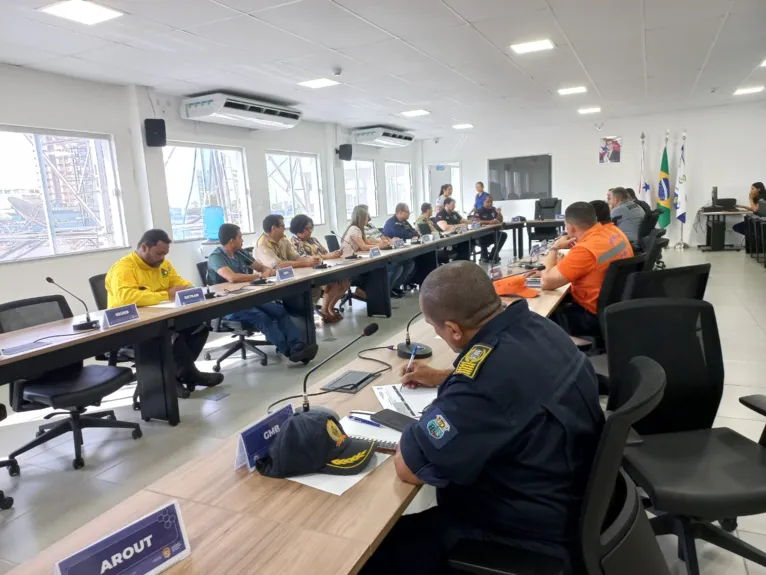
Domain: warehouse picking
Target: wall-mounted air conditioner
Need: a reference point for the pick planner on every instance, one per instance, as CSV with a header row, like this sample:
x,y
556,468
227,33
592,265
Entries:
x,y
231,110
381,137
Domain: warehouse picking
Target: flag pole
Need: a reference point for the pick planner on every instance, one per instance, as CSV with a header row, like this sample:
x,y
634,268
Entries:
x,y
681,244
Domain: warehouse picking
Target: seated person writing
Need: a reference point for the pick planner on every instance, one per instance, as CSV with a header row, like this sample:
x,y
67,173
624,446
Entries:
x,y
488,215
426,212
626,214
144,277
447,220
509,460
592,247
302,226
230,263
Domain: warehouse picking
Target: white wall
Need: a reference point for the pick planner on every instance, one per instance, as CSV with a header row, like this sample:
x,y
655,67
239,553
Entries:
x,y
723,148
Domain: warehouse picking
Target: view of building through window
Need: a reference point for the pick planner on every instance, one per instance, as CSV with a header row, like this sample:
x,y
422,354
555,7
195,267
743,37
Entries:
x,y
59,194
294,185
398,185
361,186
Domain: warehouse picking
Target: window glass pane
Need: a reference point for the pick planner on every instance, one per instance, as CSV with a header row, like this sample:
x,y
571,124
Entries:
x,y
398,185
59,194
199,177
294,185
361,186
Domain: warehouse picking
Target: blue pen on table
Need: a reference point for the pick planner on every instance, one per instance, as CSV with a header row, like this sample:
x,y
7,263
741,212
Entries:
x,y
362,420
412,358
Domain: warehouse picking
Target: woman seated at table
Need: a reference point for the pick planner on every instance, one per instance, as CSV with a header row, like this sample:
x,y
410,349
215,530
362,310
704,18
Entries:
x,y
757,194
302,227
355,240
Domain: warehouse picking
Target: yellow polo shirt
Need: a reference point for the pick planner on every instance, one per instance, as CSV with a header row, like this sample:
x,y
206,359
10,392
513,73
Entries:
x,y
131,280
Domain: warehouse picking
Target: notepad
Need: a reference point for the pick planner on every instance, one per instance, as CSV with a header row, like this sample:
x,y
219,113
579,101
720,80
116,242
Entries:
x,y
411,402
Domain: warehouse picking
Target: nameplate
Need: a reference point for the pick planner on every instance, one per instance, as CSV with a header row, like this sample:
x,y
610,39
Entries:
x,y
287,273
255,440
375,253
428,238
148,546
399,244
496,273
559,216
190,296
120,315
475,226
516,219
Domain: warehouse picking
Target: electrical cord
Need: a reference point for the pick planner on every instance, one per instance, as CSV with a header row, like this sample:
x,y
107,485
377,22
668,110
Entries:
x,y
65,334
388,367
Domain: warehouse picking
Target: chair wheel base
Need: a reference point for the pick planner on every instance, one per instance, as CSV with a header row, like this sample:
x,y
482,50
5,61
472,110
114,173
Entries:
x,y
264,362
216,368
6,502
14,470
729,524
78,463
137,433
39,432
208,357
136,406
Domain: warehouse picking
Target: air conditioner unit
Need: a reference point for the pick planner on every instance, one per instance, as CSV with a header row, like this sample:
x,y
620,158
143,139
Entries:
x,y
381,137
231,110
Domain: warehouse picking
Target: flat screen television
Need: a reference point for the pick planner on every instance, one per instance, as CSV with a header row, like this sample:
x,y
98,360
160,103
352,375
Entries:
x,y
524,178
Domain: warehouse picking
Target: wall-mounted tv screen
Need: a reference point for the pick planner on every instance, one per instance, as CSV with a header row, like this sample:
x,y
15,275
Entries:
x,y
525,178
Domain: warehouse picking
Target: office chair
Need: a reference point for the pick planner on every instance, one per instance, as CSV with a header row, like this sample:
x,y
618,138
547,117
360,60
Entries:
x,y
11,464
424,229
653,244
333,245
687,282
71,388
615,535
649,223
240,330
693,474
545,209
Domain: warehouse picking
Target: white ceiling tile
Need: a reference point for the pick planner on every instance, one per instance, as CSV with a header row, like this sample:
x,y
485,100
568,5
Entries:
x,y
458,44
323,22
475,10
166,65
393,56
528,27
322,64
107,73
23,55
404,18
178,87
250,6
176,13
682,51
588,21
16,30
683,13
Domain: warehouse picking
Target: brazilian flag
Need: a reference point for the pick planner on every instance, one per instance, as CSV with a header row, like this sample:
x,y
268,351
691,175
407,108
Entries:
x,y
663,191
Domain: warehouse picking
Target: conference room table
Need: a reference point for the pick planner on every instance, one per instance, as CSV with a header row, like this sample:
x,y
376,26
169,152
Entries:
x,y
517,231
150,335
240,522
715,230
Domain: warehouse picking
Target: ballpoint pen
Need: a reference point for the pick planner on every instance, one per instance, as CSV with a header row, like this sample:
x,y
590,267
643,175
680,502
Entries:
x,y
362,420
412,358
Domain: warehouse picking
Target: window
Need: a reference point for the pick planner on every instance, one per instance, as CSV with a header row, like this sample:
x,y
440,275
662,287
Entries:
x,y
361,186
59,194
398,185
294,185
200,177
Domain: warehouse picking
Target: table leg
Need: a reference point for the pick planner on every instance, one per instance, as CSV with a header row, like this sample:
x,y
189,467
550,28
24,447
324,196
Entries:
x,y
156,376
424,265
303,306
521,242
378,292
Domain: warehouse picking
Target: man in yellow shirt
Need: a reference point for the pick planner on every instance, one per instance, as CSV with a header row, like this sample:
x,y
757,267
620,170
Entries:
x,y
144,277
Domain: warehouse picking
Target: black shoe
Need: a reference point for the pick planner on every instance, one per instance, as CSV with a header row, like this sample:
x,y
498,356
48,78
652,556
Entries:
x,y
205,379
397,294
304,353
181,391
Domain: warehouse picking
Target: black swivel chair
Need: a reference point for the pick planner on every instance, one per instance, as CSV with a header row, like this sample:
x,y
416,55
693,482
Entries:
x,y
545,209
650,222
71,388
693,474
240,330
653,245
333,245
687,282
615,535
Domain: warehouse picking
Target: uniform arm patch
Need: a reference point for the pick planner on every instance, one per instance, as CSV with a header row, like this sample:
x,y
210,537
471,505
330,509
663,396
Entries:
x,y
471,362
439,431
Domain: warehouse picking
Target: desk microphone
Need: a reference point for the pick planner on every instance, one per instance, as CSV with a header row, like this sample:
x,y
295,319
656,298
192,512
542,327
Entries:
x,y
368,330
83,325
353,255
404,350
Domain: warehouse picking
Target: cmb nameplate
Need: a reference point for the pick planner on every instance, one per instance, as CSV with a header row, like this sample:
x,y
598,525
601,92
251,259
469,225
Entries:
x,y
255,440
120,315
189,296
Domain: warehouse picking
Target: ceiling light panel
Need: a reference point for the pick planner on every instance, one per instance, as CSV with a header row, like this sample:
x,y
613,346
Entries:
x,y
536,46
81,11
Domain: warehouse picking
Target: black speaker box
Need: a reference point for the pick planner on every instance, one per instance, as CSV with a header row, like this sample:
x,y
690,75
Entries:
x,y
344,152
154,131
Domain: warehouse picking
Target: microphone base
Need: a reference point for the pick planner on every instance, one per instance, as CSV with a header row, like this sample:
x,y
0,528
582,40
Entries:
x,y
320,409
405,351
86,325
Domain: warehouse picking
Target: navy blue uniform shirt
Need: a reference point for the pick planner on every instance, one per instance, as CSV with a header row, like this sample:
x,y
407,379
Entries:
x,y
396,229
510,439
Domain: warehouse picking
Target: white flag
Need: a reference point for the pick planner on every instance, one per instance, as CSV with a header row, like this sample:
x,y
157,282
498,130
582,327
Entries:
x,y
679,193
644,190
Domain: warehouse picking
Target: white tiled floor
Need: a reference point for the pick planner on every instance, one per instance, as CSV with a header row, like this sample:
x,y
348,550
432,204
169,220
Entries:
x,y
52,499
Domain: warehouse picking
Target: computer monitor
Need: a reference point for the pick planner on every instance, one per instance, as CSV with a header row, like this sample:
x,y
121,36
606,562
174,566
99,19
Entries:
x,y
715,196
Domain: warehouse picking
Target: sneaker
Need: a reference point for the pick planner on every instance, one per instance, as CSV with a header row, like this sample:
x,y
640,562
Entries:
x,y
304,353
207,379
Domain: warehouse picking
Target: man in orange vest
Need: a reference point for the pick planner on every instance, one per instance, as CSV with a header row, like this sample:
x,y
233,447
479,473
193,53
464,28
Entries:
x,y
592,247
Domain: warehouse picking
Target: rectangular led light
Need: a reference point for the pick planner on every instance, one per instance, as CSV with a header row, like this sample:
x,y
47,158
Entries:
x,y
763,64
463,126
750,90
594,110
536,46
415,113
575,90
81,11
318,83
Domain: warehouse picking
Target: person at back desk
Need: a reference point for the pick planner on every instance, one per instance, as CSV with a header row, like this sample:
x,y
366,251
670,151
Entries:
x,y
509,460
592,247
144,277
757,194
488,215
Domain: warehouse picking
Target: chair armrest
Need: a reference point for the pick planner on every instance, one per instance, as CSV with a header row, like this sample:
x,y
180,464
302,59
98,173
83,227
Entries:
x,y
755,402
634,439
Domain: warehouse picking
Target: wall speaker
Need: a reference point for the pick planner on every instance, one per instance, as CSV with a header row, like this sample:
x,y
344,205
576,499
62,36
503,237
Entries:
x,y
154,132
344,152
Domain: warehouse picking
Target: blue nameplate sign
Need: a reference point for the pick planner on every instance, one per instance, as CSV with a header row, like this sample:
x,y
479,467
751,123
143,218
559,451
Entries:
x,y
559,216
475,226
375,253
148,546
287,273
255,440
399,244
516,219
496,273
428,238
190,296
120,315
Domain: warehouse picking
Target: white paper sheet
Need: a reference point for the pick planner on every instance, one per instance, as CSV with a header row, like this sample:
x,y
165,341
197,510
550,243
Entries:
x,y
411,402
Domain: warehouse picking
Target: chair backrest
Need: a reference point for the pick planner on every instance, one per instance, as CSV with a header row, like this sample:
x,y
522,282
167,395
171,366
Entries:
x,y
98,287
616,277
547,208
250,250
684,282
424,229
332,243
653,244
614,530
647,225
202,270
24,313
682,336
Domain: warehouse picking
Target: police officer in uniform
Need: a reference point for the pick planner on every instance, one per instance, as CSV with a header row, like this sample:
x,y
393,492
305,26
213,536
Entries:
x,y
510,439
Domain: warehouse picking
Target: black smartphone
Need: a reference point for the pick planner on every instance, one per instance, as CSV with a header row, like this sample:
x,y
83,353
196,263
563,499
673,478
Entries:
x,y
392,419
258,282
320,266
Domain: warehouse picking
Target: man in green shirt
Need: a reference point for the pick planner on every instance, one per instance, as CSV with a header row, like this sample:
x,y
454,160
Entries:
x,y
230,263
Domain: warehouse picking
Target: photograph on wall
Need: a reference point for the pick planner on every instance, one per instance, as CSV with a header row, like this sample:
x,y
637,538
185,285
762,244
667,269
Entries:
x,y
609,151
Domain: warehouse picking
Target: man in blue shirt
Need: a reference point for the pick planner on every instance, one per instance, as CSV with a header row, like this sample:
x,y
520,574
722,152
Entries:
x,y
397,226
230,263
509,441
481,195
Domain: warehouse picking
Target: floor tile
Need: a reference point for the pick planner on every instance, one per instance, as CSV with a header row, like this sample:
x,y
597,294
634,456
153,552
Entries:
x,y
757,540
712,559
731,407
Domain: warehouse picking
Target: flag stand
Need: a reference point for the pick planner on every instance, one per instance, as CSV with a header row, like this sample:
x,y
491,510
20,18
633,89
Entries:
x,y
681,244
679,193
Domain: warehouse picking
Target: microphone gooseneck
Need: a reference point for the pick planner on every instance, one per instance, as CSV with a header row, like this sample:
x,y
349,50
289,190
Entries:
x,y
405,349
407,331
84,325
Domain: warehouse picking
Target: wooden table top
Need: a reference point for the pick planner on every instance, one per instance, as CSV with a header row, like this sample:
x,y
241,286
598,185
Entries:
x,y
240,522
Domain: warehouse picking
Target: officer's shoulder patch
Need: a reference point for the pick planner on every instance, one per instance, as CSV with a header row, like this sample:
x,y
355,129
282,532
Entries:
x,y
440,431
471,363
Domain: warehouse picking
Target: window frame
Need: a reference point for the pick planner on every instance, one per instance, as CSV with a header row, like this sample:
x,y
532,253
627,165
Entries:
x,y
356,183
317,160
117,192
247,192
410,197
